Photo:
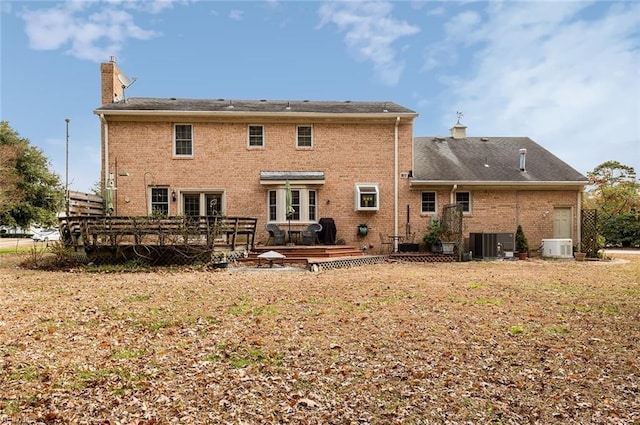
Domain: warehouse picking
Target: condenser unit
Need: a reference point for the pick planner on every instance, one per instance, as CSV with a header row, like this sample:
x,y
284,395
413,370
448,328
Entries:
x,y
491,245
557,248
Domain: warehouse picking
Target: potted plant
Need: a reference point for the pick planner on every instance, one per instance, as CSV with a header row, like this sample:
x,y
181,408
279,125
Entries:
x,y
219,260
448,239
522,245
432,237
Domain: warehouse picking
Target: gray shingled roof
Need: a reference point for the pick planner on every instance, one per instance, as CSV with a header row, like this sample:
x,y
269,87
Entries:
x,y
488,159
259,106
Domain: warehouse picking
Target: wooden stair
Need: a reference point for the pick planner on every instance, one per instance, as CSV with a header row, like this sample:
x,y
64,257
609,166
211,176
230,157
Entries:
x,y
303,254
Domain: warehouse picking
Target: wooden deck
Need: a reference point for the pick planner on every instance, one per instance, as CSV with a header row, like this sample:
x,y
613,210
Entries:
x,y
300,254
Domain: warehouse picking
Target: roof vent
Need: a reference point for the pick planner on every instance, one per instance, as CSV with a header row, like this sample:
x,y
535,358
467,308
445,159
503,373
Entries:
x,y
263,100
485,139
523,159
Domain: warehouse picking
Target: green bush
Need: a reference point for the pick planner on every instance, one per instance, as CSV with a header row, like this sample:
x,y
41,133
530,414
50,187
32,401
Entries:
x,y
622,229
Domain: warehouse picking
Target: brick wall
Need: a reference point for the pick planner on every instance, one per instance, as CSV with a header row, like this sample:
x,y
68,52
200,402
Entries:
x,y
501,210
347,153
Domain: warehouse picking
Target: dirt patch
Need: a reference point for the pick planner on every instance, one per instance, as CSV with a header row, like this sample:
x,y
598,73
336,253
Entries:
x,y
478,342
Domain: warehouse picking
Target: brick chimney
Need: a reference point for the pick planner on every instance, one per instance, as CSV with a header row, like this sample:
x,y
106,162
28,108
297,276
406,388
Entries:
x,y
459,131
111,86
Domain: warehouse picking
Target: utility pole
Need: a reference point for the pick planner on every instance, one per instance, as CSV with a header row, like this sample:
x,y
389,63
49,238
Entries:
x,y
66,177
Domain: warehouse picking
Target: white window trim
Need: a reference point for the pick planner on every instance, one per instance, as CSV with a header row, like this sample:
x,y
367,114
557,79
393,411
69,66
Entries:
x,y
179,155
281,204
455,198
435,195
249,145
202,193
150,190
298,146
365,188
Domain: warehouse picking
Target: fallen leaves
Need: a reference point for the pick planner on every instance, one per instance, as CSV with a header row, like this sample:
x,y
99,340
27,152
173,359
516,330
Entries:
x,y
393,343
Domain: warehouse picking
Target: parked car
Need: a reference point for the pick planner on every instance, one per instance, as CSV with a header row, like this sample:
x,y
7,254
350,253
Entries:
x,y
46,235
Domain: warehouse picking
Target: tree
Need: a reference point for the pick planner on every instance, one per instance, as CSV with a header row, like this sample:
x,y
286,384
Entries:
x,y
29,192
615,194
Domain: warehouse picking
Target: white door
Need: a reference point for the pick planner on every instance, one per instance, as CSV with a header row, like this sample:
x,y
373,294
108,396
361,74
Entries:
x,y
562,223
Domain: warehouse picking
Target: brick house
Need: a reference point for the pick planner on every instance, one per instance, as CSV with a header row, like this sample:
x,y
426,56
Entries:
x,y
354,162
501,182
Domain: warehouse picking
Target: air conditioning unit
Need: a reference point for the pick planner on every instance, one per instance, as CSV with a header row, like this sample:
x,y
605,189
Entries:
x,y
492,245
557,248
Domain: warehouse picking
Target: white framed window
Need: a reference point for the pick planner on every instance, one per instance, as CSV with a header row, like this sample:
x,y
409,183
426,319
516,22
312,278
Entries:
x,y
367,197
304,136
464,198
183,140
429,203
160,201
255,136
303,202
272,202
202,203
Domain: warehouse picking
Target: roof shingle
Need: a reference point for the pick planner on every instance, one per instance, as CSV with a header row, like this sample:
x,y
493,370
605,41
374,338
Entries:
x,y
488,159
260,106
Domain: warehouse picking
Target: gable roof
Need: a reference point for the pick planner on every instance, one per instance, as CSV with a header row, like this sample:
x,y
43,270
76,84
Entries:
x,y
268,107
488,160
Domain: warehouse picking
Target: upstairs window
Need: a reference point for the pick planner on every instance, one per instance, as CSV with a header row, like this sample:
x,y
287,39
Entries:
x,y
367,197
464,198
255,136
304,136
183,140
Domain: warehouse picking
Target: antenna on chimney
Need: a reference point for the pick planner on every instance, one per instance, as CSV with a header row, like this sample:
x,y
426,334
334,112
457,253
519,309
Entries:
x,y
126,83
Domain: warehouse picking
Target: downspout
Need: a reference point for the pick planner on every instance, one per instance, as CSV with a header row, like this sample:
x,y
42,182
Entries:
x,y
395,183
106,151
452,196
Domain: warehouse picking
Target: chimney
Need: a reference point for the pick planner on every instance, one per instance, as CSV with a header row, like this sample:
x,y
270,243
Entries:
x,y
459,131
111,86
523,158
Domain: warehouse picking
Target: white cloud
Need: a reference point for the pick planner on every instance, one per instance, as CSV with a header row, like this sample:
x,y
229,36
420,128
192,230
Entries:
x,y
370,34
88,30
553,72
236,15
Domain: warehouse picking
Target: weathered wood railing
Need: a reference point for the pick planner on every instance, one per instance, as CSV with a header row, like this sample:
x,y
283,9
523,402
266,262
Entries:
x,y
209,231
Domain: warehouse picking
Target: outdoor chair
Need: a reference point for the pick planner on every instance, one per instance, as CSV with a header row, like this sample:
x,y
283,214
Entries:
x,y
276,234
384,240
310,234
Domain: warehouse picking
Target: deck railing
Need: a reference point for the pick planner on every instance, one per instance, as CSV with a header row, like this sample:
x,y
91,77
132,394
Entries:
x,y
206,231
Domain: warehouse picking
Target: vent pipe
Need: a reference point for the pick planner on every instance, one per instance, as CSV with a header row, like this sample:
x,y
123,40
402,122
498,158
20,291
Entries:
x,y
523,159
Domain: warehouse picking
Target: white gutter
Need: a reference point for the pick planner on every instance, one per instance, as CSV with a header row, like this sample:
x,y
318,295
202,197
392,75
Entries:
x,y
106,149
495,183
395,185
129,112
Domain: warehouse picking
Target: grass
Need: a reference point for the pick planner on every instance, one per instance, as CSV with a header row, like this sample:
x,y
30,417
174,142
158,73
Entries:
x,y
544,342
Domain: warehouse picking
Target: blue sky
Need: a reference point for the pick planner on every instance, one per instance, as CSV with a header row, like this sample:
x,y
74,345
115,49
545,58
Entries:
x,y
565,73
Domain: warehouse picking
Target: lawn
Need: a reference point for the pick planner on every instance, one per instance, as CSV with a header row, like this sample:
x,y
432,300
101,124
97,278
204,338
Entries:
x,y
479,342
